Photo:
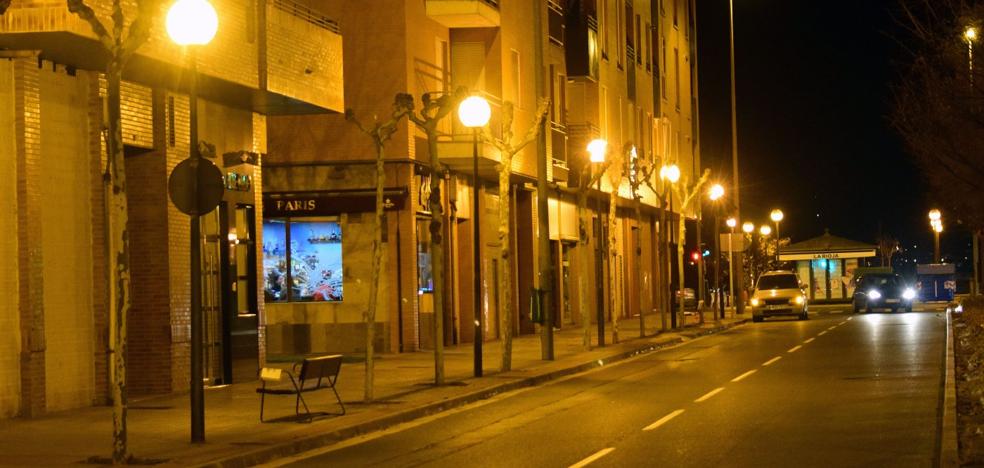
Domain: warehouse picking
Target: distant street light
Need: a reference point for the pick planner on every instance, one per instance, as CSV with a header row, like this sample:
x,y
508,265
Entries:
x,y
193,23
474,112
748,227
936,223
670,173
776,216
765,230
970,35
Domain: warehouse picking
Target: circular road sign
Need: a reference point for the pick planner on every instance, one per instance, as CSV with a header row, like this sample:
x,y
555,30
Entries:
x,y
210,186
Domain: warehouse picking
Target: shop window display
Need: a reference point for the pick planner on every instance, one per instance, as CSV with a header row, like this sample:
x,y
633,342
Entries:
x,y
314,259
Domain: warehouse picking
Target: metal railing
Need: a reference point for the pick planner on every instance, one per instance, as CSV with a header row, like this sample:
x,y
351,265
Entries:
x,y
307,14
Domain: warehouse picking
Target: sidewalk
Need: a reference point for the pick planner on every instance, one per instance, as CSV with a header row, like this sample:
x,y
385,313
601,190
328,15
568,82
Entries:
x,y
159,426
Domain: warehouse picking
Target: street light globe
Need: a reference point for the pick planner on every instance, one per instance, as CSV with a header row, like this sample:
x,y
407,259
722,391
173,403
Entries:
x,y
670,173
748,227
934,215
776,215
597,149
716,192
765,230
732,222
938,227
474,112
192,22
970,34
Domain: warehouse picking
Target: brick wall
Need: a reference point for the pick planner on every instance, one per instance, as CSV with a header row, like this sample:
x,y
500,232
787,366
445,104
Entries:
x,y
10,340
179,257
66,239
100,264
27,131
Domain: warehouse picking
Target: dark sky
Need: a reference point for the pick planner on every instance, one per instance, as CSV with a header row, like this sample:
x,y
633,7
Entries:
x,y
814,98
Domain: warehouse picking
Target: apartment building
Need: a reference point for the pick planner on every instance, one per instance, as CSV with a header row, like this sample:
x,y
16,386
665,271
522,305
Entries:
x,y
268,58
614,69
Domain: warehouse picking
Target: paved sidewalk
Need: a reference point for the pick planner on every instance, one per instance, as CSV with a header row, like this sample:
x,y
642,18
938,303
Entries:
x,y
159,426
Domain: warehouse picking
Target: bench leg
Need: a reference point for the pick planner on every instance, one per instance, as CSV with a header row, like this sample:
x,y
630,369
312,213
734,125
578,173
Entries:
x,y
262,400
338,398
298,402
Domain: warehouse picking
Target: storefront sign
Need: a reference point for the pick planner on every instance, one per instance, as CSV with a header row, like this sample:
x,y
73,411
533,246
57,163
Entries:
x,y
238,182
826,255
295,206
329,203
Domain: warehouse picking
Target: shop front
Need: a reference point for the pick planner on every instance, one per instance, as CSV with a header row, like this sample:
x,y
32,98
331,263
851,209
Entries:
x,y
827,265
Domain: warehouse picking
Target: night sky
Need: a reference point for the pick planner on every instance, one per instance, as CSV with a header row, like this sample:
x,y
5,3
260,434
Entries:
x,y
814,94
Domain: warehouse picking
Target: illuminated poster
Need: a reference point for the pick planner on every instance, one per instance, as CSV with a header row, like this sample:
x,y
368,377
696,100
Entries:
x,y
314,258
275,260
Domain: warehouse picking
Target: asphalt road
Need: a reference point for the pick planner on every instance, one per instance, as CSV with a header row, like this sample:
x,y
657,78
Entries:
x,y
837,390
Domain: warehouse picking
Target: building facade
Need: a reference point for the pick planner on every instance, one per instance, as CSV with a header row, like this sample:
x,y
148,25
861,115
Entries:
x,y
622,70
267,58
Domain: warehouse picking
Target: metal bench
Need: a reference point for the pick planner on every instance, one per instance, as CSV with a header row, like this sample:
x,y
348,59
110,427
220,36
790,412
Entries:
x,y
309,375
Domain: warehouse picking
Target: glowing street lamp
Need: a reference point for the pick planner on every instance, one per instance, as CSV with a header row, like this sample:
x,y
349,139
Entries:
x,y
765,230
776,216
731,222
936,223
748,227
190,24
970,35
716,192
597,149
670,173
474,113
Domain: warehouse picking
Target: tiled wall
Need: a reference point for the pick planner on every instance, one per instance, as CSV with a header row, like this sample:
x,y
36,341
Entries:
x,y
65,240
10,342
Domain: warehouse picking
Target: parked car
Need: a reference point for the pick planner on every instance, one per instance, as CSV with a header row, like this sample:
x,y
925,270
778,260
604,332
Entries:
x,y
874,291
689,299
779,293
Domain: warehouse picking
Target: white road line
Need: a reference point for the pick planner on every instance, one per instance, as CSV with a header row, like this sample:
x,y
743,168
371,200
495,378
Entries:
x,y
822,333
809,340
709,394
833,327
771,361
663,420
794,348
742,376
842,323
849,318
592,458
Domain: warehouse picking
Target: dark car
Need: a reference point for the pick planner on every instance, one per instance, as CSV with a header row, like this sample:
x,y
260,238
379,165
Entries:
x,y
873,291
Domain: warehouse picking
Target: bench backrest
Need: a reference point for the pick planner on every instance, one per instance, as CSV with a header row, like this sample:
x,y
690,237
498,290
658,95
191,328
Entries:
x,y
321,367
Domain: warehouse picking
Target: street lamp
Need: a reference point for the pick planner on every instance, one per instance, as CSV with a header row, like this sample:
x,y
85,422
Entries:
x,y
765,230
970,35
597,151
776,216
715,194
192,23
474,112
670,173
731,222
936,223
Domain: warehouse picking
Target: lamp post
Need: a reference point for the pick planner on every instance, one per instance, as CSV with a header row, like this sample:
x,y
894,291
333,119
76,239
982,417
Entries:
x,y
970,35
936,222
670,173
474,113
715,194
731,222
776,216
735,186
597,150
193,23
748,228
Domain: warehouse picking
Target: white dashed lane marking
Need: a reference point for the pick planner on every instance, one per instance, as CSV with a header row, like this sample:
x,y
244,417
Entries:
x,y
709,394
822,333
742,376
592,458
663,420
771,361
809,340
794,349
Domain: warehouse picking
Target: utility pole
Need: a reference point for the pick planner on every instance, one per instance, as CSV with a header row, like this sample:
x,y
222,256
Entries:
x,y
542,214
739,284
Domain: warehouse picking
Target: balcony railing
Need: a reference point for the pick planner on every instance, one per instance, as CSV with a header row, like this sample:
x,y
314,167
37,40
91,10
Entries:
x,y
464,13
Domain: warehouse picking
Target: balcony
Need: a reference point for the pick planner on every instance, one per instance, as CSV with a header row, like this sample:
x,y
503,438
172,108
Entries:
x,y
464,13
280,58
456,149
558,151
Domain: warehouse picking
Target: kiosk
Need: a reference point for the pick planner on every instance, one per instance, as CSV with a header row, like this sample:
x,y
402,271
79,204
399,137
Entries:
x,y
827,264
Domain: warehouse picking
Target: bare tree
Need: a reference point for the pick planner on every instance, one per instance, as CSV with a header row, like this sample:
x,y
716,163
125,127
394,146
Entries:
x,y
507,151
687,196
641,172
120,43
380,133
427,119
887,246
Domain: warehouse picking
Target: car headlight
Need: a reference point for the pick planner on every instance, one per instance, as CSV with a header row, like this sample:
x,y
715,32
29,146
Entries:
x,y
909,294
874,294
755,302
799,300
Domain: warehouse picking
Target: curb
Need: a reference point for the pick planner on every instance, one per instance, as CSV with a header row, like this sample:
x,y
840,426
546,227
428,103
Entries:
x,y
949,454
308,443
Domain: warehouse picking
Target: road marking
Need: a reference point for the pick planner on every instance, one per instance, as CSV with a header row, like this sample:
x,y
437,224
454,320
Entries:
x,y
709,394
842,323
592,458
742,376
794,348
771,361
833,327
663,420
849,318
822,333
809,340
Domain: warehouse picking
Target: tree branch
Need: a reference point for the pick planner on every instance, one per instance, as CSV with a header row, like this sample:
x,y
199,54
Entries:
x,y
83,11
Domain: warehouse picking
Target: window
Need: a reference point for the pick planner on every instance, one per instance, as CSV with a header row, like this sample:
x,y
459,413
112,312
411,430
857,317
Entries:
x,y
662,68
425,272
649,43
311,269
603,24
619,37
516,78
638,40
676,71
676,13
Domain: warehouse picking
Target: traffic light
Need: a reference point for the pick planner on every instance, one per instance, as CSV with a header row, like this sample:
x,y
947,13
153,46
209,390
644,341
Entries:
x,y
695,256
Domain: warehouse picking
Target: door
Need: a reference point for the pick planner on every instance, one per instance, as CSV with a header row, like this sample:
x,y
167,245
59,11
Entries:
x,y
240,315
211,281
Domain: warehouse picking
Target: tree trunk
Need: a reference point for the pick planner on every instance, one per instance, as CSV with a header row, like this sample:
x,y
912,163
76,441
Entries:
x,y
613,302
504,252
637,252
682,233
120,266
663,262
377,260
437,252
